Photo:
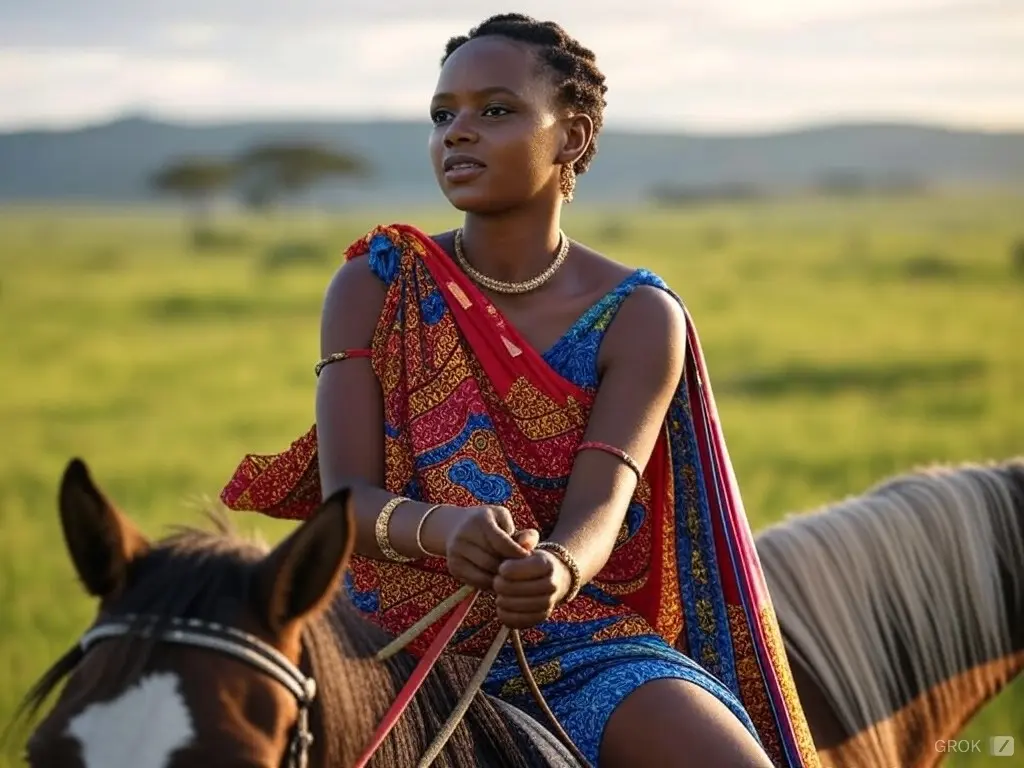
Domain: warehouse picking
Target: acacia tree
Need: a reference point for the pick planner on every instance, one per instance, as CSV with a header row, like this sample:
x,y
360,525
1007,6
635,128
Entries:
x,y
271,172
198,181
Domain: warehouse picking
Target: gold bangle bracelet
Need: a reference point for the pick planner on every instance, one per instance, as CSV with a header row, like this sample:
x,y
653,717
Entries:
x,y
419,532
566,557
380,528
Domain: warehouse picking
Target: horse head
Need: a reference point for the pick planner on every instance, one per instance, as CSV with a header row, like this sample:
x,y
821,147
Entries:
x,y
196,654
208,649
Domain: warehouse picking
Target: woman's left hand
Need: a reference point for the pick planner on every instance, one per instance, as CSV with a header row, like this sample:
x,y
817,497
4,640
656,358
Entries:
x,y
529,588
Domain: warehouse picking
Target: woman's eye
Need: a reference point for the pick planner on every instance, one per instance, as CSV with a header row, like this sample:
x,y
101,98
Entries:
x,y
443,115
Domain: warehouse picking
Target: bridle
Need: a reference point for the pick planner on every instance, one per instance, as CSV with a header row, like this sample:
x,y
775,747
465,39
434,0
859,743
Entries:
x,y
230,642
251,650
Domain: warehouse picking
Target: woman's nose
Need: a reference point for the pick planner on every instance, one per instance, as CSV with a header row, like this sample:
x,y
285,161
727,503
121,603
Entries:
x,y
460,131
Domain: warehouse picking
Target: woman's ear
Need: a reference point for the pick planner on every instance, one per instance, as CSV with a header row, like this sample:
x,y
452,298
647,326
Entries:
x,y
579,132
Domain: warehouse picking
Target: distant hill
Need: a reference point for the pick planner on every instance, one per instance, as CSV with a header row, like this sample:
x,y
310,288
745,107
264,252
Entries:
x,y
111,162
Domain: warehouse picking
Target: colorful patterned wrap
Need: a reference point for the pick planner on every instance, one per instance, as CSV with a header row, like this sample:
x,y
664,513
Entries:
x,y
474,415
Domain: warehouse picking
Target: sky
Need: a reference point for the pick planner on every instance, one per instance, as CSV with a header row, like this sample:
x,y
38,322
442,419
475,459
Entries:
x,y
698,65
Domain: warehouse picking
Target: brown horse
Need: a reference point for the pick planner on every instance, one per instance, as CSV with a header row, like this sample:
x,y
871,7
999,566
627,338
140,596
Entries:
x,y
902,610
212,651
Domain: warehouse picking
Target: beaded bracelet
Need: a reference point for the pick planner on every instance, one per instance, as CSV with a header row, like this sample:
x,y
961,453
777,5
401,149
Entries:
x,y
380,528
618,453
564,555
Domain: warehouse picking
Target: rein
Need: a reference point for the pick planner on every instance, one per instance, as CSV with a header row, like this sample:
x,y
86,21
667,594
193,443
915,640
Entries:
x,y
462,600
268,660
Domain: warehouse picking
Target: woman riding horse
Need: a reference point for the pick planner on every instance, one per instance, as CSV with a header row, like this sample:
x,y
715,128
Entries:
x,y
516,412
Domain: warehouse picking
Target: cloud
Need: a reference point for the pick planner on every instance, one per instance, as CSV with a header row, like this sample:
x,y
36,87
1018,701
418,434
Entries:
x,y
191,35
59,85
704,64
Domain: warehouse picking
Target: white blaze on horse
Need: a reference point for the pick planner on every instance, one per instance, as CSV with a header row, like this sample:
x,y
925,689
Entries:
x,y
902,611
143,726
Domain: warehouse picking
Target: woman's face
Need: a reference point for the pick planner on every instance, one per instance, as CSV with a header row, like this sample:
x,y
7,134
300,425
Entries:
x,y
499,137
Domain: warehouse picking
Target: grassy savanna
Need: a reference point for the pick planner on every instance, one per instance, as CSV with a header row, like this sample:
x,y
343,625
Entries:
x,y
847,340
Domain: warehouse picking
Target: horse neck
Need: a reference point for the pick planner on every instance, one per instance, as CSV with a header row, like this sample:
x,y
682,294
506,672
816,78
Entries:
x,y
902,605
939,715
982,659
356,690
942,712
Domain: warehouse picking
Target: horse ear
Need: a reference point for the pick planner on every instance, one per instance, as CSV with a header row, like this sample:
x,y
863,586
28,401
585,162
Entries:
x,y
301,574
101,541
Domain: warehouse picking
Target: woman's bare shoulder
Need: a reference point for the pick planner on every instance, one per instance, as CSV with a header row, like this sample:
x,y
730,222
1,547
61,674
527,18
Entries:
x,y
602,272
352,305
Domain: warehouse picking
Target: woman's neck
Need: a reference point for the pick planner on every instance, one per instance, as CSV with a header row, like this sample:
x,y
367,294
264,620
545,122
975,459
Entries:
x,y
511,247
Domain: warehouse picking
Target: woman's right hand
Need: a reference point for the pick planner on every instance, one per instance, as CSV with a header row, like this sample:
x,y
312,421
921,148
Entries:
x,y
481,539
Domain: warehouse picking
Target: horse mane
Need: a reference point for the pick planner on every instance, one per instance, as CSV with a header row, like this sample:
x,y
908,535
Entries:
x,y
865,587
202,574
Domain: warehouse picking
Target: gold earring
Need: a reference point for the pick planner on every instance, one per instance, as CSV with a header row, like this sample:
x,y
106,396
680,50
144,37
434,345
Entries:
x,y
567,182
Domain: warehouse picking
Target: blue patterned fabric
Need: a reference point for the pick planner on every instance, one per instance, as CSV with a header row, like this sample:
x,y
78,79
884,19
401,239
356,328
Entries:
x,y
583,681
574,355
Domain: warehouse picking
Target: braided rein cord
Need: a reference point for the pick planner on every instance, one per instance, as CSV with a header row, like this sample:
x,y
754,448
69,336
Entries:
x,y
462,600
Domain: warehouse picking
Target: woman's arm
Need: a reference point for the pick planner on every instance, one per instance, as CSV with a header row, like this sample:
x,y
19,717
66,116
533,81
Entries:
x,y
350,444
644,353
350,415
641,360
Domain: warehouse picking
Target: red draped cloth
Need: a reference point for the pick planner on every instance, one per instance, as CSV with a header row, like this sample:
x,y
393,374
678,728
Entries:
x,y
474,415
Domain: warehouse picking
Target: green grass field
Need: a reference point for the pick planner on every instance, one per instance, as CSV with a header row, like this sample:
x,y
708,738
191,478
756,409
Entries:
x,y
847,340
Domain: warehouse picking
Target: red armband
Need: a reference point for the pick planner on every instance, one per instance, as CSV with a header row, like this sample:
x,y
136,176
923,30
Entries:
x,y
618,453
